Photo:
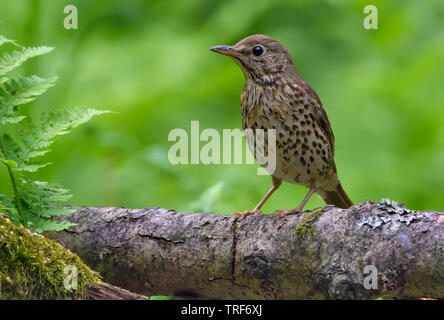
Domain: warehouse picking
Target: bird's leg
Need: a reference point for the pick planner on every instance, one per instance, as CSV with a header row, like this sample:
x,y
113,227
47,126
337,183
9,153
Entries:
x,y
283,213
276,183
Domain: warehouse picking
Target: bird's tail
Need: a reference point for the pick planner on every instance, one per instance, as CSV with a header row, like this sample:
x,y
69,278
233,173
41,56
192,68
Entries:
x,y
336,197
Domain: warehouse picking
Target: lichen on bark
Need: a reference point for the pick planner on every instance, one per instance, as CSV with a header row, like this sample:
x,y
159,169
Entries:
x,y
306,226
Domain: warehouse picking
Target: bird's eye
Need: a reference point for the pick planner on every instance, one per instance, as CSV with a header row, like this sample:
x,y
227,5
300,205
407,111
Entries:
x,y
257,51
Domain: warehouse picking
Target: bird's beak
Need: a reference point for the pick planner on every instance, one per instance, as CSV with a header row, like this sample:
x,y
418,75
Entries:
x,y
228,51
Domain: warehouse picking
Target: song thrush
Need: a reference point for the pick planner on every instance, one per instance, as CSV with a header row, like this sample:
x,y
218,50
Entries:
x,y
276,97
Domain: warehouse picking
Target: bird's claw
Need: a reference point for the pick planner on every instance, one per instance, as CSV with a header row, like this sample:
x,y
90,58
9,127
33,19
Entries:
x,y
247,213
283,213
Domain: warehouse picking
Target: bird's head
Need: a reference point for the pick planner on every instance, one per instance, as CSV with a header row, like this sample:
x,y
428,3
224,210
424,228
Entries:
x,y
260,57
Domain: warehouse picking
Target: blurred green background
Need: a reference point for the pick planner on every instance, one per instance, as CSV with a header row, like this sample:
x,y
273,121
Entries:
x,y
149,61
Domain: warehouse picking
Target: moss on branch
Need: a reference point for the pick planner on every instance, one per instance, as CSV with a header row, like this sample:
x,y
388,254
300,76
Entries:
x,y
33,267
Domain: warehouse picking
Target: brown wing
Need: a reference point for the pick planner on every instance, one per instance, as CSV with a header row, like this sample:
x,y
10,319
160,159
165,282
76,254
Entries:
x,y
321,117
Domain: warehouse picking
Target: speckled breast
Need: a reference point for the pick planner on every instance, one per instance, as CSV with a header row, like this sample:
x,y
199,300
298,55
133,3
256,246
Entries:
x,y
303,154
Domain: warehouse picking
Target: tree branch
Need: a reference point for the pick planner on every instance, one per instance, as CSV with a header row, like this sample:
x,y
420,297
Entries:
x,y
105,291
313,255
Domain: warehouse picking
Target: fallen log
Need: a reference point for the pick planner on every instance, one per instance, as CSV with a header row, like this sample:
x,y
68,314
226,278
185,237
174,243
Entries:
x,y
371,250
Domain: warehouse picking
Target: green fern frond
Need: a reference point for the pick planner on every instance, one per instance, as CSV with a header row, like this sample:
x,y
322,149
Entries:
x,y
7,206
38,137
4,40
39,198
10,150
34,203
17,152
10,61
13,153
44,193
41,225
10,163
9,117
20,91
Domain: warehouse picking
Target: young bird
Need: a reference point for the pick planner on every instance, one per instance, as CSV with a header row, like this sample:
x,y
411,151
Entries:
x,y
276,97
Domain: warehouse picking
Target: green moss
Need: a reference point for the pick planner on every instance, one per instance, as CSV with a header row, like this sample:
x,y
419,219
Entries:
x,y
306,226
33,267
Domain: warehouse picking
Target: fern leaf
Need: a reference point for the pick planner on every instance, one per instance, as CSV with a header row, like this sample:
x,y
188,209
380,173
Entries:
x,y
43,193
31,167
10,163
56,211
34,202
13,153
4,40
41,225
4,158
14,92
10,117
38,137
10,61
20,91
10,150
23,90
38,198
7,206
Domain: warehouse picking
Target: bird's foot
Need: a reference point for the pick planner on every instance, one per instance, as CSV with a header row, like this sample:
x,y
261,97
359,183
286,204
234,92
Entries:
x,y
283,213
247,213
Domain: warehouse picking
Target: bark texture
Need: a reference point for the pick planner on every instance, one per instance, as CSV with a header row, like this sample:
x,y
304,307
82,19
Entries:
x,y
105,291
313,255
